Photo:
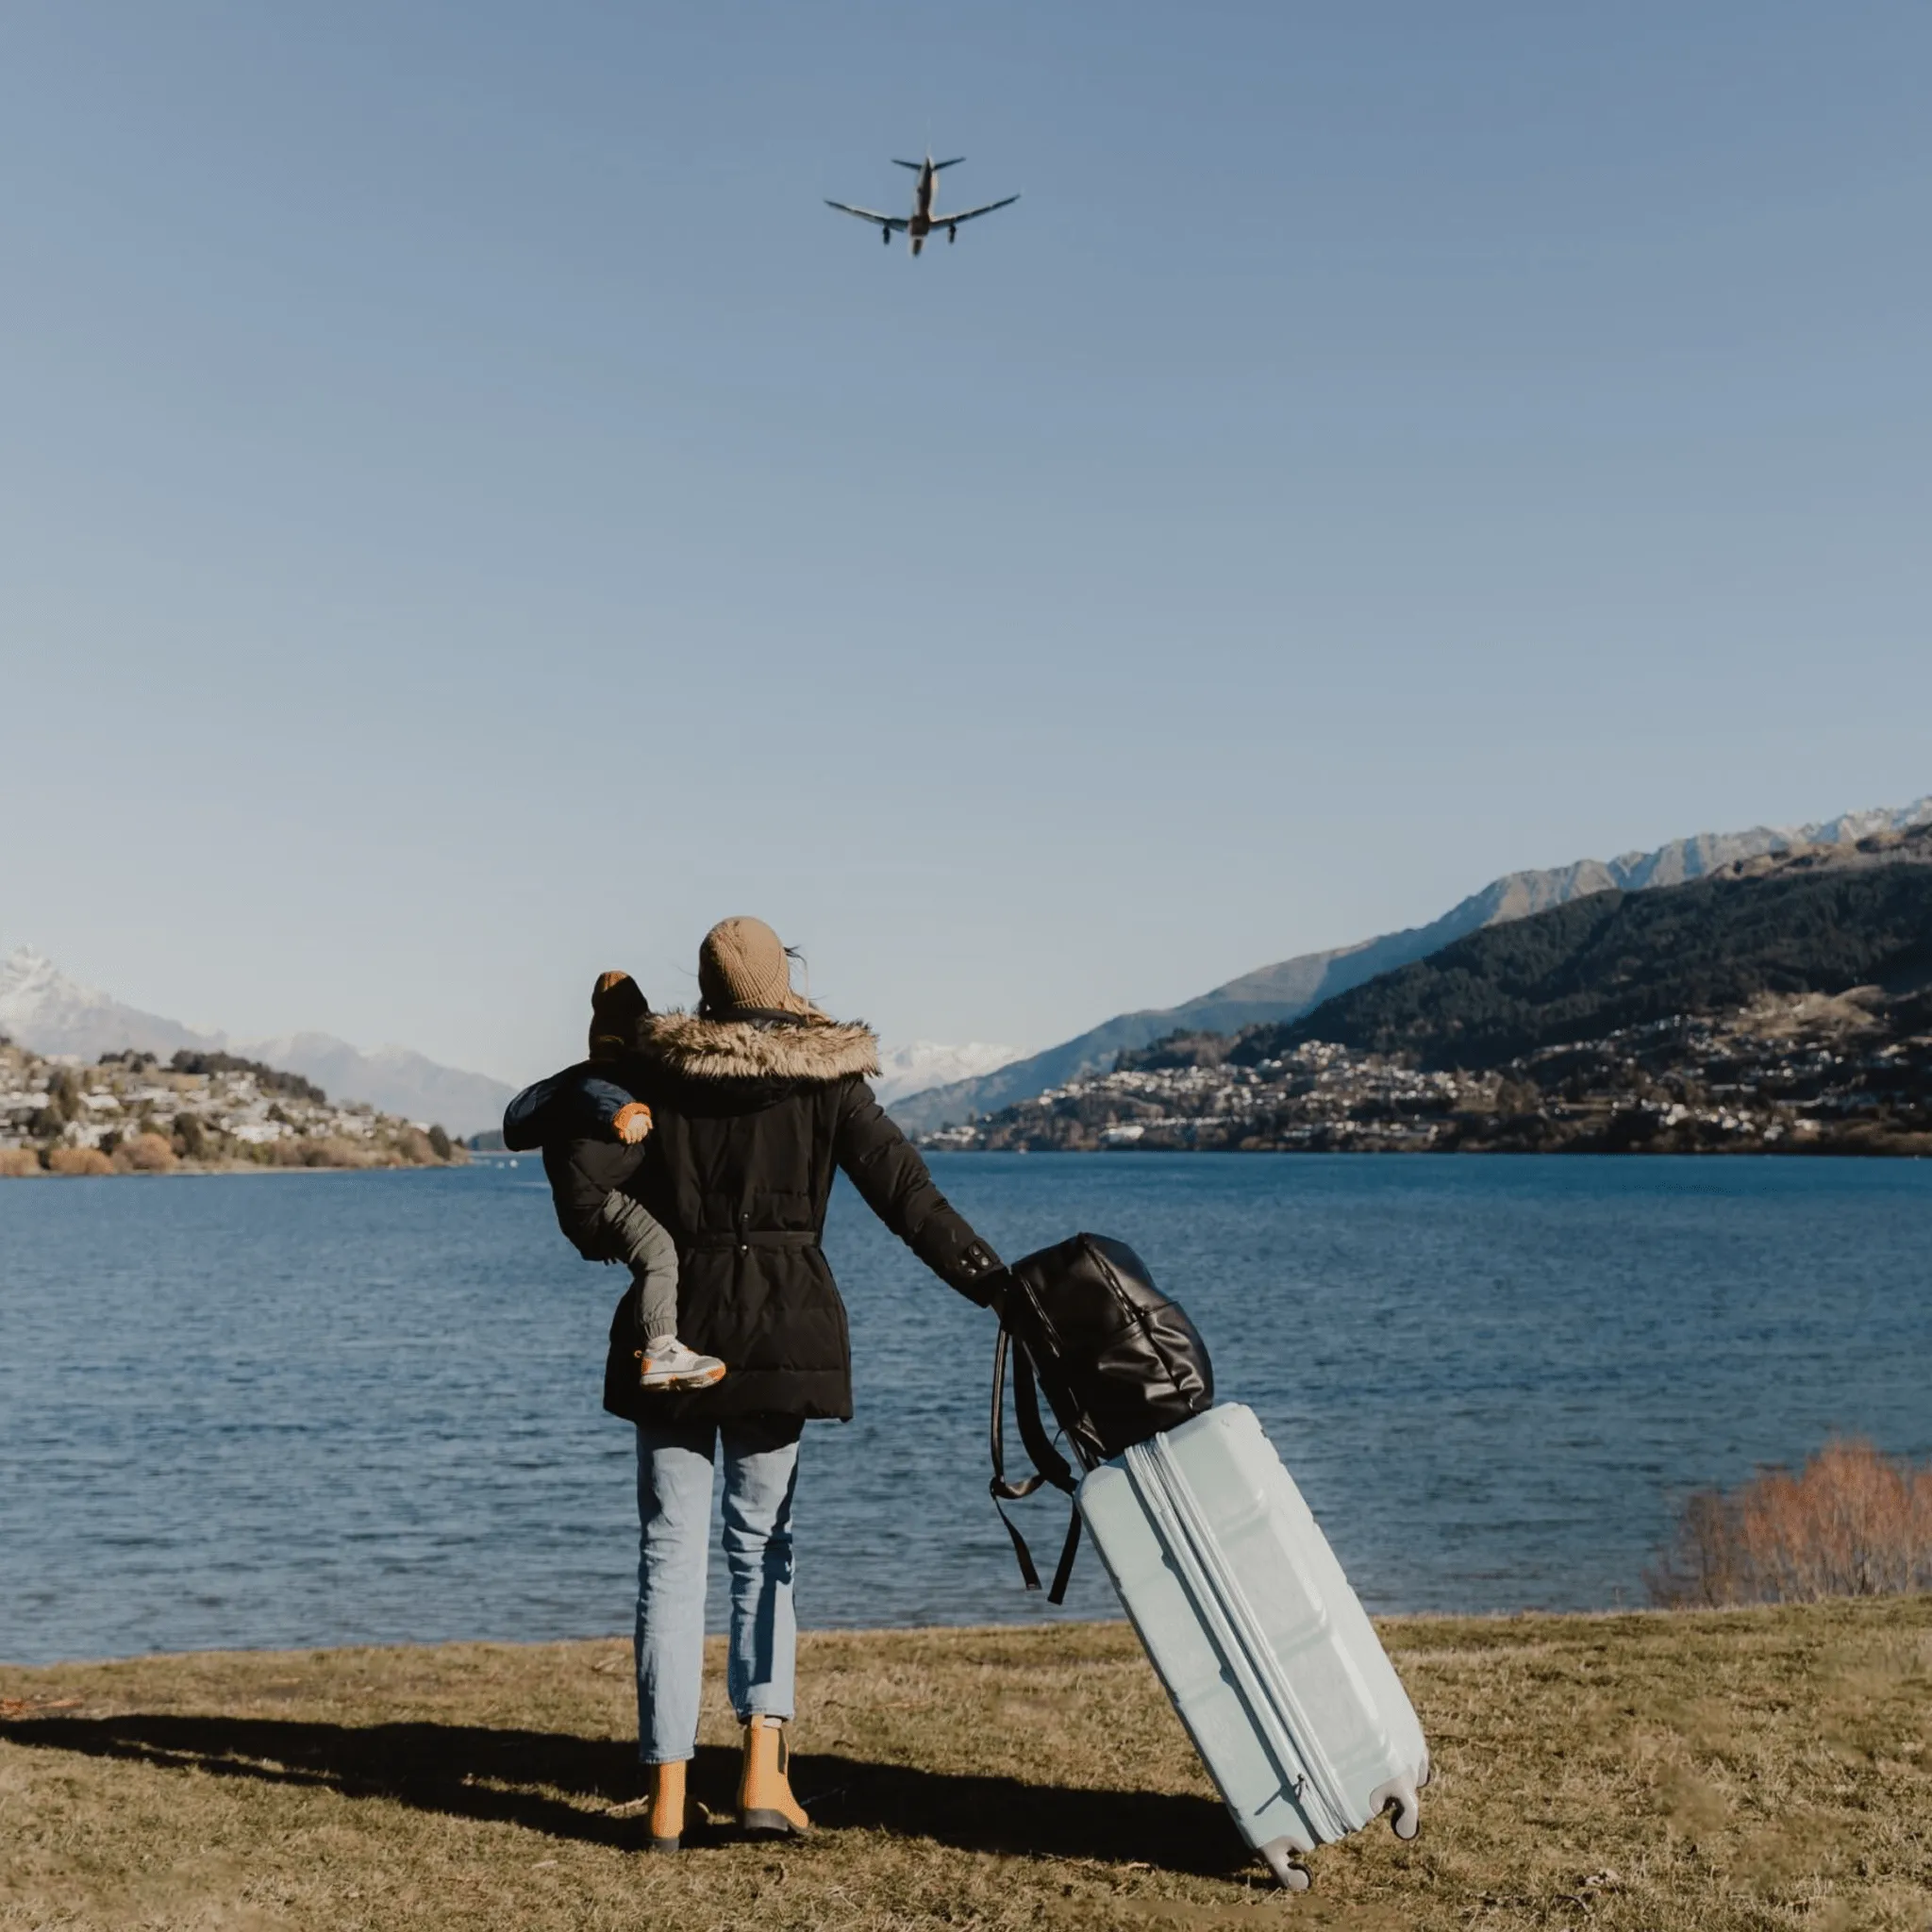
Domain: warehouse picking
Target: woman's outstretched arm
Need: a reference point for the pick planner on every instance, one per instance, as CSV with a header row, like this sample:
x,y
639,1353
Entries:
x,y
896,1184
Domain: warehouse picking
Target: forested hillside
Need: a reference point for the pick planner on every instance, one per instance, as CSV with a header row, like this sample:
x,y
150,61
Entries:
x,y
1620,960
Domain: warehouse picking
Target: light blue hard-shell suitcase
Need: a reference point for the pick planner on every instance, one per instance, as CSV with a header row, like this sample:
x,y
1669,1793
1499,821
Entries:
x,y
1264,1648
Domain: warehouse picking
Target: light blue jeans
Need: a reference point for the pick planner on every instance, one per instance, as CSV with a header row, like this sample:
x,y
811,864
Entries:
x,y
675,1464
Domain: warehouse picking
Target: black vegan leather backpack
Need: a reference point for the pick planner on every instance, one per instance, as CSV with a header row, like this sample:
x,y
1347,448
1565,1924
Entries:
x,y
1116,1359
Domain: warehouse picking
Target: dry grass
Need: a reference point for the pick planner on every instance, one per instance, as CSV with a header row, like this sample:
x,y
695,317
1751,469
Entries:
x,y
1747,1769
1852,1522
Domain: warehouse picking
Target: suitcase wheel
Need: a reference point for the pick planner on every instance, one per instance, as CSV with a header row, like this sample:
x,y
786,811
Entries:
x,y
1398,1795
1280,1857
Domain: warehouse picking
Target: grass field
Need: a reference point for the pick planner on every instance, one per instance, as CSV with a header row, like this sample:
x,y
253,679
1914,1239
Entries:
x,y
1728,1769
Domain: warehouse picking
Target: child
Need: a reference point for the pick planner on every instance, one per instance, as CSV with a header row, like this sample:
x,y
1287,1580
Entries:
x,y
592,1130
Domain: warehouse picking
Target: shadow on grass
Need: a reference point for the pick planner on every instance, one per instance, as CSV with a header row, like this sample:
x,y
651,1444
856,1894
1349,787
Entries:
x,y
564,1786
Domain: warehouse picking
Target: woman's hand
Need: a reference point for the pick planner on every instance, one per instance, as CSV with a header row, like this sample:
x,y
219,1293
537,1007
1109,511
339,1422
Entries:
x,y
633,1122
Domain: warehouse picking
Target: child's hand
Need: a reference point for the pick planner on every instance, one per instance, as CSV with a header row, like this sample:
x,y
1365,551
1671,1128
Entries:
x,y
633,1122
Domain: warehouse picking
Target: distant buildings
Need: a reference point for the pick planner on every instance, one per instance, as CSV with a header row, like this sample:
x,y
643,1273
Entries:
x,y
137,1112
1789,1073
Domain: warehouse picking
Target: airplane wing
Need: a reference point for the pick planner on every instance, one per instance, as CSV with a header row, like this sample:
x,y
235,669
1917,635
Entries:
x,y
865,214
967,214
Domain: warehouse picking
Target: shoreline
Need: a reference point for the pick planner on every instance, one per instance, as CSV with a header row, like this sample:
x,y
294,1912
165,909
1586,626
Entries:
x,y
1138,1149
185,1171
1392,1626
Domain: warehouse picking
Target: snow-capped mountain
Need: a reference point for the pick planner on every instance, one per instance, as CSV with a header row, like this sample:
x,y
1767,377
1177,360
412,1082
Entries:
x,y
43,1009
904,1069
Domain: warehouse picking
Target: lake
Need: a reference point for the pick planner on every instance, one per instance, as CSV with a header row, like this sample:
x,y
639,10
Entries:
x,y
322,1409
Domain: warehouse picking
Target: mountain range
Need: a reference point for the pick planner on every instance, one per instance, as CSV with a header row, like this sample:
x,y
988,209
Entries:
x,y
1289,989
928,1085
43,1009
1781,1004
1824,920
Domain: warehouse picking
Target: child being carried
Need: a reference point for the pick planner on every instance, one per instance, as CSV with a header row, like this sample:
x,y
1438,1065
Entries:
x,y
591,1131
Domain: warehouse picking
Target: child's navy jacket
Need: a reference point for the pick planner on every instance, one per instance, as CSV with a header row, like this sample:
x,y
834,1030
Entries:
x,y
572,1116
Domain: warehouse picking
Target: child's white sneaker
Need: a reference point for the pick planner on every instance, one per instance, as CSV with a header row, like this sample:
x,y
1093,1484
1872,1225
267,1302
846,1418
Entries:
x,y
664,1362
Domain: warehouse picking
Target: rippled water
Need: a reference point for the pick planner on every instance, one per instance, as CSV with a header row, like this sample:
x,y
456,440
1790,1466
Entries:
x,y
330,1408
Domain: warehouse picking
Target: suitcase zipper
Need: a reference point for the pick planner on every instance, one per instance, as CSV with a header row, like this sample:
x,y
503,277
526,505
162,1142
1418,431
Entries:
x,y
1316,1788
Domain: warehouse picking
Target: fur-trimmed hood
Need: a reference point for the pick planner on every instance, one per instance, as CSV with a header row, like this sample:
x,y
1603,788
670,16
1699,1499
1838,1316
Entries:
x,y
700,1049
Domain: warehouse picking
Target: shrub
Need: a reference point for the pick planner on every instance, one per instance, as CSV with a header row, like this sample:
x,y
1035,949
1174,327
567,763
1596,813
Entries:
x,y
63,1093
17,1162
148,1154
1852,1522
1515,1098
190,1137
334,1151
79,1160
439,1142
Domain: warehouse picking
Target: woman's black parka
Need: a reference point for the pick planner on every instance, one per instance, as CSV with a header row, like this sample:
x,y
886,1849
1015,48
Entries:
x,y
751,1115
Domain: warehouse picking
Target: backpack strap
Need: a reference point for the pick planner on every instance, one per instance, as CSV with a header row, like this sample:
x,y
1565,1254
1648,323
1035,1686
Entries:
x,y
1049,1465
1062,1575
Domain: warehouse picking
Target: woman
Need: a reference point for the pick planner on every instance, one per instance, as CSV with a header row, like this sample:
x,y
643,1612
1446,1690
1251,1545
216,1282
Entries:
x,y
755,1099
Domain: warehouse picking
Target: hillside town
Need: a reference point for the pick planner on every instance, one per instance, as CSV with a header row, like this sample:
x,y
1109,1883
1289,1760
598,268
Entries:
x,y
1811,1072
133,1113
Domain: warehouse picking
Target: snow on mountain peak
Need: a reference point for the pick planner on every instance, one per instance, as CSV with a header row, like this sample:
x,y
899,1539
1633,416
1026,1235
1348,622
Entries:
x,y
907,1069
43,1010
49,1013
28,975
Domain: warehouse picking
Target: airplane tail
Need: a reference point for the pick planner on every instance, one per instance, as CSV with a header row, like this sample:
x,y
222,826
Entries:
x,y
916,166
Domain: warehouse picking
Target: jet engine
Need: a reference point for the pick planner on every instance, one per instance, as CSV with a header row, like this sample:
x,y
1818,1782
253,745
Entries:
x,y
952,236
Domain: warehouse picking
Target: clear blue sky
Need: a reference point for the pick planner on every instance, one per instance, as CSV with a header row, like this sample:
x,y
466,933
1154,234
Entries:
x,y
469,514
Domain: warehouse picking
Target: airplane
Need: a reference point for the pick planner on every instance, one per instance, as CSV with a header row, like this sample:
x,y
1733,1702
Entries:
x,y
924,219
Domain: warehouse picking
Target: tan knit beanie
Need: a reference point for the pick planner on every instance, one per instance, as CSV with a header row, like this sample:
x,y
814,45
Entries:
x,y
742,963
